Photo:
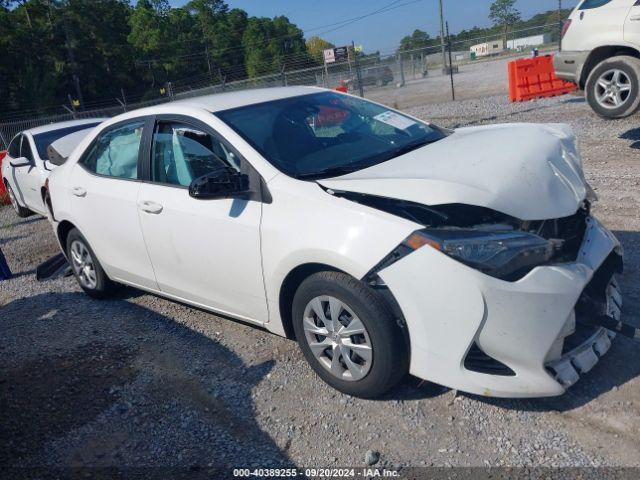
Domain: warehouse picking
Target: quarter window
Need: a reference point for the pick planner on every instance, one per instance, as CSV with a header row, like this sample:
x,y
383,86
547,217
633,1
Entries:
x,y
25,150
14,147
181,153
115,152
589,4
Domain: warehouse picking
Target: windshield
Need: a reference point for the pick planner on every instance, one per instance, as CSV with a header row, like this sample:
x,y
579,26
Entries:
x,y
327,134
43,140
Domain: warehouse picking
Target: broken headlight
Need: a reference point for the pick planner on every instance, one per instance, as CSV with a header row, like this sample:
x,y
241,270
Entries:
x,y
507,255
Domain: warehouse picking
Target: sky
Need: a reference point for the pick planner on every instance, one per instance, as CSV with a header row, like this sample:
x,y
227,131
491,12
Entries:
x,y
382,31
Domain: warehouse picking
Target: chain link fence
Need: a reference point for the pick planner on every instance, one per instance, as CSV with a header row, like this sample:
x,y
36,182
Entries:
x,y
400,78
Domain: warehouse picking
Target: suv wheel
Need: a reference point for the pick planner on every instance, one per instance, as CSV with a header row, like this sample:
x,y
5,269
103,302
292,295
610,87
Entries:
x,y
613,87
86,268
348,335
22,212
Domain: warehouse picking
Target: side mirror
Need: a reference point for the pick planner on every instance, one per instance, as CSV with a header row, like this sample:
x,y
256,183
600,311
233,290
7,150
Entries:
x,y
220,183
20,162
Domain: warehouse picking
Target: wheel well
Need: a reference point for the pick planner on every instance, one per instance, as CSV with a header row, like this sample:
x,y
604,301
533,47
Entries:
x,y
63,232
288,290
600,54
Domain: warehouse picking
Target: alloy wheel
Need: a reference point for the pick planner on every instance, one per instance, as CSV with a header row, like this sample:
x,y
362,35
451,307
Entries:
x,y
82,264
613,88
337,338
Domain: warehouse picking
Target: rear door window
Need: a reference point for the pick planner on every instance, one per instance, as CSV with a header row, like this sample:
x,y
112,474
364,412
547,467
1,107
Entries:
x,y
589,4
115,152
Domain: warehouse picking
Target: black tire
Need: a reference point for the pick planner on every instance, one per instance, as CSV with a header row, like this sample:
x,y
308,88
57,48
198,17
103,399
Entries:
x,y
390,352
630,66
22,212
104,287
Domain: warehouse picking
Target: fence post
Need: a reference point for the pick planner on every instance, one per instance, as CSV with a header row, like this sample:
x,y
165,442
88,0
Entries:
x,y
283,75
453,90
358,72
73,108
401,62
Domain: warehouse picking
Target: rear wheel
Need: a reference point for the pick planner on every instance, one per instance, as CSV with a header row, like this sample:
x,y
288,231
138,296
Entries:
x,y
22,212
613,87
86,267
348,335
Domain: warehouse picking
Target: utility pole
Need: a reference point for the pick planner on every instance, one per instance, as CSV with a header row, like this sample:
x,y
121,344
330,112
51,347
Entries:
x,y
442,41
358,73
453,90
560,25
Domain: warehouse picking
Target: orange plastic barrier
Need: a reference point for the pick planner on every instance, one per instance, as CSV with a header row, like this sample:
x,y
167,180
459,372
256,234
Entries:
x,y
4,197
531,78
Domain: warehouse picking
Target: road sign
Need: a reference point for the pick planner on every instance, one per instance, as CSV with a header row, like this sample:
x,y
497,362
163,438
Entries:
x,y
338,54
329,55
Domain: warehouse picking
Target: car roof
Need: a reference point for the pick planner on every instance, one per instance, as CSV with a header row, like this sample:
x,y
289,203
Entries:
x,y
60,125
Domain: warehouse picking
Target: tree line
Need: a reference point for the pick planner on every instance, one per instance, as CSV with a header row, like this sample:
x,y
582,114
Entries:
x,y
56,51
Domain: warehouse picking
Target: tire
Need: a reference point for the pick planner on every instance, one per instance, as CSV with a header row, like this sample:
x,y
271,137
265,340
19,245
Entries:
x,y
22,212
86,267
381,341
610,101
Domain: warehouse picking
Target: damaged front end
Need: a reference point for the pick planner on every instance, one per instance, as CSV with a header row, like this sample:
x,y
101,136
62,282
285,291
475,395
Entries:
x,y
550,297
494,243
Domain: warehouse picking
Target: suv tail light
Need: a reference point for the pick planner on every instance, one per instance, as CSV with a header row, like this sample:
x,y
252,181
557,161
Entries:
x,y
565,27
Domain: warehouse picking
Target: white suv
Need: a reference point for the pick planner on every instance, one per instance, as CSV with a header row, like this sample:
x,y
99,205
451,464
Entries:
x,y
601,54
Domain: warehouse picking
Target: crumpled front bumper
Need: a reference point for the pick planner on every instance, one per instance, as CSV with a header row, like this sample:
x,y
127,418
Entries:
x,y
451,309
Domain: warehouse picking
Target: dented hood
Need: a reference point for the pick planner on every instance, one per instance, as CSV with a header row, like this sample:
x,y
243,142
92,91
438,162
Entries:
x,y
528,171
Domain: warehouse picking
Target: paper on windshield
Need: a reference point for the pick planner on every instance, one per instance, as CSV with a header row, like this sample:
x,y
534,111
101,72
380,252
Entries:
x,y
395,120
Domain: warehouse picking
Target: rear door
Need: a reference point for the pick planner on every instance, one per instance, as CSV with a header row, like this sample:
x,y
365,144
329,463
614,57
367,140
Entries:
x,y
596,23
104,187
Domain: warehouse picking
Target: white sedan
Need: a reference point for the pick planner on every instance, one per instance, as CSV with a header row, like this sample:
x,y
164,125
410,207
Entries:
x,y
27,164
383,244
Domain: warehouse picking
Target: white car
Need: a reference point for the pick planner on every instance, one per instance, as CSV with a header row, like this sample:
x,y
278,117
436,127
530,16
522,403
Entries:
x,y
383,244
601,54
27,164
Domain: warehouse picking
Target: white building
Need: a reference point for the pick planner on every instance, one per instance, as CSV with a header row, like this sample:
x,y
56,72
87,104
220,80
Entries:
x,y
489,48
533,41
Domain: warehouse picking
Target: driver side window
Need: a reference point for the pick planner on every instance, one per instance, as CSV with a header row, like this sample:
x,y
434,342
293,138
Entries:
x,y
14,147
181,153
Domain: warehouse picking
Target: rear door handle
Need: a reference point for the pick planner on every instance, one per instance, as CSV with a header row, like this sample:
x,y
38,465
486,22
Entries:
x,y
150,207
79,191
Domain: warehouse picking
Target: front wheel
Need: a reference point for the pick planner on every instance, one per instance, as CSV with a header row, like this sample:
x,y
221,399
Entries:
x,y
86,267
22,212
348,335
613,87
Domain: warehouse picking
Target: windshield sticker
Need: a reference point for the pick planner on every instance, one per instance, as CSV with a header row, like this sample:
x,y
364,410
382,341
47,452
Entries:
x,y
395,120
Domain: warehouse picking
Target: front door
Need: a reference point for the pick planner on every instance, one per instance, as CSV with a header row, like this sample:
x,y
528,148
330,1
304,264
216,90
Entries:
x,y
632,25
205,252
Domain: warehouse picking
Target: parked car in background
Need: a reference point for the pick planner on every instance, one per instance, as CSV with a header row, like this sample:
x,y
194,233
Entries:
x,y
378,76
27,164
382,243
601,54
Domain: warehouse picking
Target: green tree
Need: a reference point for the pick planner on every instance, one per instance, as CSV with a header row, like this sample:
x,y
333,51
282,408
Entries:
x,y
316,47
504,13
418,39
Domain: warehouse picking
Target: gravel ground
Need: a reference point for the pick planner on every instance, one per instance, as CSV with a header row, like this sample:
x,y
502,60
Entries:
x,y
141,381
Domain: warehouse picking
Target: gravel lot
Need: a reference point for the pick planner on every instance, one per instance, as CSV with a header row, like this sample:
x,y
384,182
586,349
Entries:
x,y
141,381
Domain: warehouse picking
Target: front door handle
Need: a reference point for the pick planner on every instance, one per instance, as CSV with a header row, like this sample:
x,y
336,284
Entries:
x,y
635,18
150,207
79,191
